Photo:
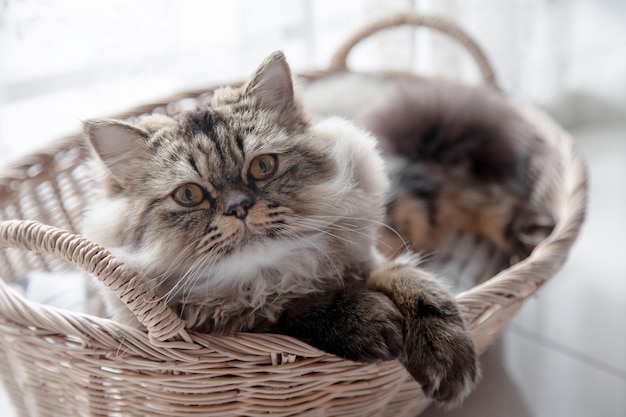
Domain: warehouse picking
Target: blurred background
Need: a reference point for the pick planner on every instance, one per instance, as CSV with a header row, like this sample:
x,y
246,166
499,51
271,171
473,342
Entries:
x,y
64,61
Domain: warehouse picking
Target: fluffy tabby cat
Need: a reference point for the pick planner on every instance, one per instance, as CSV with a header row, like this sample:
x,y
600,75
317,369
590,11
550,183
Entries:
x,y
246,215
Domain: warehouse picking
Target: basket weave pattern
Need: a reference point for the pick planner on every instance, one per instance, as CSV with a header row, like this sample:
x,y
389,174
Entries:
x,y
58,363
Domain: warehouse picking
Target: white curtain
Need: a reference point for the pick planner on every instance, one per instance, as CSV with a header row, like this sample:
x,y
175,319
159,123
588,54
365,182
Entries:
x,y
566,55
64,61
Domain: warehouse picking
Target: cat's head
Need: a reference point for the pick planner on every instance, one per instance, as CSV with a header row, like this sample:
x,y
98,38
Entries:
x,y
246,183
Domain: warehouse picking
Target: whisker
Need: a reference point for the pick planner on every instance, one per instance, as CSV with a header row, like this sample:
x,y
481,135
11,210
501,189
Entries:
x,y
356,230
294,233
326,232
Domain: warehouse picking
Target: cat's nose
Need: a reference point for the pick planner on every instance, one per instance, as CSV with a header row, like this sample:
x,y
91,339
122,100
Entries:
x,y
237,203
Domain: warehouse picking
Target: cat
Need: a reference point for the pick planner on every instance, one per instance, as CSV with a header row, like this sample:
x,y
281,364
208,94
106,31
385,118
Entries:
x,y
458,157
248,215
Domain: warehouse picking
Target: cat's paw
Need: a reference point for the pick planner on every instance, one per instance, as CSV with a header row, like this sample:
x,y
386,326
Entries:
x,y
441,357
438,351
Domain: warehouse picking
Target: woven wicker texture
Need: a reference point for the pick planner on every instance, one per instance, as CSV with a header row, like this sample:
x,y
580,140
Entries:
x,y
59,363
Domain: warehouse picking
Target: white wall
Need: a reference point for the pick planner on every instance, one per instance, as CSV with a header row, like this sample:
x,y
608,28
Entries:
x,y
64,61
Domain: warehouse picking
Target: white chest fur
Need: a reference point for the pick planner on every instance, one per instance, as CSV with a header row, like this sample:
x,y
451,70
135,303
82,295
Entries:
x,y
271,267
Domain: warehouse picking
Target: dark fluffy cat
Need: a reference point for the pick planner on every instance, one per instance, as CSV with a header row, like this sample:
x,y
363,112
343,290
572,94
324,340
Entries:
x,y
458,157
248,216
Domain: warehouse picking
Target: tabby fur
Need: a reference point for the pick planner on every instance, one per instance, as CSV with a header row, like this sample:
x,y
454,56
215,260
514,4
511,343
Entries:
x,y
246,215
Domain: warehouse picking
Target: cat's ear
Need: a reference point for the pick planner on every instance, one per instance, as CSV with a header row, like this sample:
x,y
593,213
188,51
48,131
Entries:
x,y
272,85
116,143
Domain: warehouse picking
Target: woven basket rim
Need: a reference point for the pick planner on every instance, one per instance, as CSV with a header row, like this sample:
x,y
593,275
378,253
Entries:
x,y
510,285
94,345
518,281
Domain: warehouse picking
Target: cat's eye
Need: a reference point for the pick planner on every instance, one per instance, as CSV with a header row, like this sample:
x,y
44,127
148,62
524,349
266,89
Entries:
x,y
263,167
189,195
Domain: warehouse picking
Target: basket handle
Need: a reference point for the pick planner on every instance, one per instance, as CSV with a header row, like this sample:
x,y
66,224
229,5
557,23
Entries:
x,y
339,60
165,328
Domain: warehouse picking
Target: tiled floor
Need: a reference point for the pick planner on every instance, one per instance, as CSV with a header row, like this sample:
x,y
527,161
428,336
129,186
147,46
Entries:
x,y
565,353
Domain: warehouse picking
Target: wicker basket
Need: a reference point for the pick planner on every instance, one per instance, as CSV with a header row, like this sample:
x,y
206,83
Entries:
x,y
59,363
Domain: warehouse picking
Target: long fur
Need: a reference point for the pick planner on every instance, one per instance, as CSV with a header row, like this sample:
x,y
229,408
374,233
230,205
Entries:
x,y
287,246
458,157
328,169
